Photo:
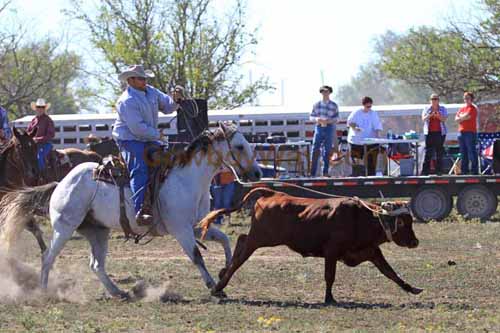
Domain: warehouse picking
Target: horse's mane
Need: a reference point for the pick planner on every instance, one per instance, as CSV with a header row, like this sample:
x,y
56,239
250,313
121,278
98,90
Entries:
x,y
200,143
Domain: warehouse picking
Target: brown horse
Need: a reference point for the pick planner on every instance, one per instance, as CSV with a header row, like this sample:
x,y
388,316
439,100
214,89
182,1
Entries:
x,y
18,162
19,168
61,161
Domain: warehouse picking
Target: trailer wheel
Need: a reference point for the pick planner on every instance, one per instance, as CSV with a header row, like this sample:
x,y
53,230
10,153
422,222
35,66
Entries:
x,y
476,201
431,203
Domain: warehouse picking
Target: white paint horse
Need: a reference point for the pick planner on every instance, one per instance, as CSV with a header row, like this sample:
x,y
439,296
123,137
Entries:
x,y
80,203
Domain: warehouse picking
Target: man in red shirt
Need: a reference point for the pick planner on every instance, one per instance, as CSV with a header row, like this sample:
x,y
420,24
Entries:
x,y
467,127
42,130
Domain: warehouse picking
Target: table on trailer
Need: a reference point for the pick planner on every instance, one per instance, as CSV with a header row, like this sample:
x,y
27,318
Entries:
x,y
383,141
304,148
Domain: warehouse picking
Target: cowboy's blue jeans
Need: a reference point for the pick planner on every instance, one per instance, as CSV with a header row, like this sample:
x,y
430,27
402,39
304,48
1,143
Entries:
x,y
323,136
222,195
468,152
43,151
133,153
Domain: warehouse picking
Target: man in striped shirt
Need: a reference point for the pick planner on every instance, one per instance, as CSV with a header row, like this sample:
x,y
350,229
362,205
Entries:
x,y
325,114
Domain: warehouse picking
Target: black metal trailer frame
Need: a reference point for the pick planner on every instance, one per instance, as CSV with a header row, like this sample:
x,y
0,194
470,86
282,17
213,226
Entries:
x,y
431,196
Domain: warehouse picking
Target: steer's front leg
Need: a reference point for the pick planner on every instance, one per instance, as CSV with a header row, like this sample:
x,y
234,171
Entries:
x,y
383,266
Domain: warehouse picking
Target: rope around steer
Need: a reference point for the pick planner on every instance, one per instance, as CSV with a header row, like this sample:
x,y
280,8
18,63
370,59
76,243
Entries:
x,y
378,212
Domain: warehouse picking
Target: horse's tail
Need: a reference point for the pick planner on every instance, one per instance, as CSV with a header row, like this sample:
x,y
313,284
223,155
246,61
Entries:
x,y
212,216
18,207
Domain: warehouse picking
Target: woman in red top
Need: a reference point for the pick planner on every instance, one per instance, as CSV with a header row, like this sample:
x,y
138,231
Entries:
x,y
467,127
42,130
434,118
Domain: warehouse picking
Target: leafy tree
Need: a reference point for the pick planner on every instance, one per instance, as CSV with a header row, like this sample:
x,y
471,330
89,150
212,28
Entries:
x,y
463,56
36,69
372,81
181,41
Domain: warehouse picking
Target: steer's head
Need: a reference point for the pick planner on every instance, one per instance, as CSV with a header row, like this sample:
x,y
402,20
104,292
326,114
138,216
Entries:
x,y
398,217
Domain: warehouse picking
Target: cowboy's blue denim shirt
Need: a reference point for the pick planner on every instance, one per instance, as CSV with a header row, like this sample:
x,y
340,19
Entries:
x,y
138,114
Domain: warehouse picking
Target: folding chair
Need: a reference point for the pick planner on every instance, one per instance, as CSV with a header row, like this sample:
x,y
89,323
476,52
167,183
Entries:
x,y
396,153
266,154
453,152
291,156
485,140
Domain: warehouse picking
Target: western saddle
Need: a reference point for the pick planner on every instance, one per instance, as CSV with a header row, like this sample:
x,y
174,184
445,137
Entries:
x,y
113,170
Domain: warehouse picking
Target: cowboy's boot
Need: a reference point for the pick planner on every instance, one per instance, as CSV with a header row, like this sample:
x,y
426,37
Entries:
x,y
145,215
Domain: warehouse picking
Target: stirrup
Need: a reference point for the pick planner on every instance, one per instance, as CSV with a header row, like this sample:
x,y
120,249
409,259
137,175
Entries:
x,y
144,218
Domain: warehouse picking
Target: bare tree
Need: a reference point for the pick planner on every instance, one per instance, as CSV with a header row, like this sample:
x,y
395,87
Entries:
x,y
181,41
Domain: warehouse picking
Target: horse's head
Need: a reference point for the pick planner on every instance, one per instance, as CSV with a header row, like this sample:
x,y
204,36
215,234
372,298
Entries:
x,y
25,156
238,153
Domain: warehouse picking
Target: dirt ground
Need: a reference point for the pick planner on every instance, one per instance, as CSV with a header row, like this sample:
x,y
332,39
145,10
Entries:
x,y
457,264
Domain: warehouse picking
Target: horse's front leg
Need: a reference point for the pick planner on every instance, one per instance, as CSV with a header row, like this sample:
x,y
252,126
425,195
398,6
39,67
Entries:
x,y
216,235
185,237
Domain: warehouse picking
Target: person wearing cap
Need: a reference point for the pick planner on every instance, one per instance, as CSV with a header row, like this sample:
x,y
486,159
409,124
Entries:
x,y
42,130
136,129
434,117
5,131
325,114
467,127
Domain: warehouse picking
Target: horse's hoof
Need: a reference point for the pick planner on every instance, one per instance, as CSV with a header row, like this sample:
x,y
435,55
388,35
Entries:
x,y
123,297
222,273
218,293
416,291
330,301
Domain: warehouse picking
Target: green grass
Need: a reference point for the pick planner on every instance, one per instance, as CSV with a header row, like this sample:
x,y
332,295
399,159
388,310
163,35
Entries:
x,y
276,290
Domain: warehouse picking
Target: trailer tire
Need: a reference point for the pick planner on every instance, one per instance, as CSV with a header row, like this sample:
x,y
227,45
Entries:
x,y
431,203
476,201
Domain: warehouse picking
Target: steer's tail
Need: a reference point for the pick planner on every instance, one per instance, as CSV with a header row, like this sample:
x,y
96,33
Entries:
x,y
212,216
18,207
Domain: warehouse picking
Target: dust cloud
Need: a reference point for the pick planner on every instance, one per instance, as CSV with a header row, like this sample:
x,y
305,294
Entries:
x,y
20,283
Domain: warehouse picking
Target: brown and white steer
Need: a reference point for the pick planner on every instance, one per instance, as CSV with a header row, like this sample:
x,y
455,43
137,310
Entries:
x,y
343,229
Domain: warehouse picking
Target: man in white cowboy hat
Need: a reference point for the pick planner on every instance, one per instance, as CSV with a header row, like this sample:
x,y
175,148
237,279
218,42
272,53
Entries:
x,y
135,129
42,130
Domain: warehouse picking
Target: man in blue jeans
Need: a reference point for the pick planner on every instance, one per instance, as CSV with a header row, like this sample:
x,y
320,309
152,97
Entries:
x,y
42,130
325,114
223,188
135,130
467,127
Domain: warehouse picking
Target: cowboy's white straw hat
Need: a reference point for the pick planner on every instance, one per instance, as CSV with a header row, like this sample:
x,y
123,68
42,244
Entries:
x,y
135,71
40,102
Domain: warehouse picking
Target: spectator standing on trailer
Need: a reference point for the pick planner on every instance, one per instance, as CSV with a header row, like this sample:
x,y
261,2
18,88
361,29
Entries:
x,y
434,118
325,114
364,124
467,139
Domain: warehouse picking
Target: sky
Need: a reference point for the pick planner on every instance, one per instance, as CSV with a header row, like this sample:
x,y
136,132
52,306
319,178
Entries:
x,y
302,44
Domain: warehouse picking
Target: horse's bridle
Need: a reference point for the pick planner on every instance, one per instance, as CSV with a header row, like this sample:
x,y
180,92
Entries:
x,y
380,212
228,141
